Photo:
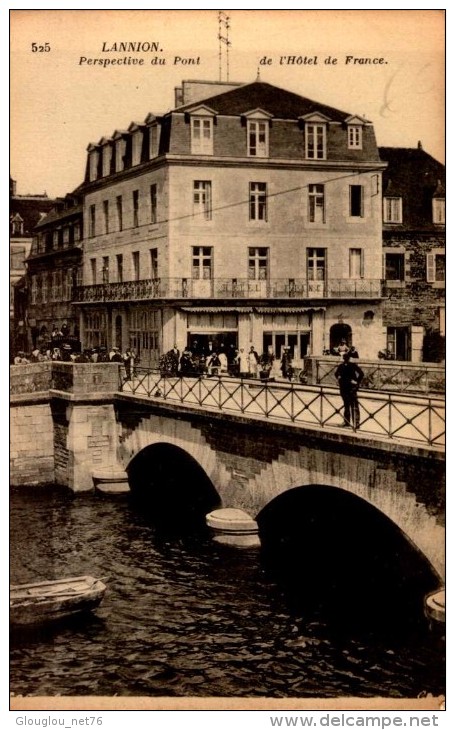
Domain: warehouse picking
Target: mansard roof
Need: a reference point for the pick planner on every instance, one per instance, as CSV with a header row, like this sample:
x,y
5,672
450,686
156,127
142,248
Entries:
x,y
278,102
411,167
31,209
417,178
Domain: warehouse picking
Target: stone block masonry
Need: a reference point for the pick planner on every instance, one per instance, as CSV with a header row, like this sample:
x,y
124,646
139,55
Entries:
x,y
32,444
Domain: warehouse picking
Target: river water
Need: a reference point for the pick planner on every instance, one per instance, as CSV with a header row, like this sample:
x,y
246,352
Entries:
x,y
184,617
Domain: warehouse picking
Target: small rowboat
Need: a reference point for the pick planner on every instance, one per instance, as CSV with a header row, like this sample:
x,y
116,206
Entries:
x,y
35,603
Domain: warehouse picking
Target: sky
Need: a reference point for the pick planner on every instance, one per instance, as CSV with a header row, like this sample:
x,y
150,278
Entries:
x,y
59,105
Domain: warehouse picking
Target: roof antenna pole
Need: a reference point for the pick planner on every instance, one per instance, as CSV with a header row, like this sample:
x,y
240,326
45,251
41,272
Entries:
x,y
223,26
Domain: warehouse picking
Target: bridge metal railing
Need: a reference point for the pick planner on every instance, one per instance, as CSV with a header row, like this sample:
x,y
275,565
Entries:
x,y
419,419
402,377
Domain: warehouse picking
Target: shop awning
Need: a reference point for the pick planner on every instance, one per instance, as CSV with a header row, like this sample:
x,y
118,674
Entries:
x,y
288,310
217,310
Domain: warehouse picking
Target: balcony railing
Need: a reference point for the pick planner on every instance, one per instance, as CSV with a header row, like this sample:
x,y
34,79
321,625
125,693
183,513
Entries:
x,y
187,288
412,419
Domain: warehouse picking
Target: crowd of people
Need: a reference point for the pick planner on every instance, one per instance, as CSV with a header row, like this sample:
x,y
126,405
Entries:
x,y
216,361
65,352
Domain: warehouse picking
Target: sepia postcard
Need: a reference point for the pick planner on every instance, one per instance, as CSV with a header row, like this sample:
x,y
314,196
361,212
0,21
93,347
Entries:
x,y
227,360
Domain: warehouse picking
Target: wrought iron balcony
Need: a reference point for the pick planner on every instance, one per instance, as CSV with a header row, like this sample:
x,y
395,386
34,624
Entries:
x,y
187,288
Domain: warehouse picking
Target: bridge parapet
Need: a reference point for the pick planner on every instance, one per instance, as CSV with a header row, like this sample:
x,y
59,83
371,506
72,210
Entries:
x,y
408,419
401,377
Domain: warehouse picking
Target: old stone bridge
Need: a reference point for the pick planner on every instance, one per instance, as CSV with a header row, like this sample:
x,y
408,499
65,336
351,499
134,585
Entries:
x,y
236,446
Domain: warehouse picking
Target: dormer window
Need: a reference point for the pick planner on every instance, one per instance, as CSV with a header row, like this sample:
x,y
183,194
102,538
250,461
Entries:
x,y
315,141
392,210
93,164
17,225
153,141
136,152
355,126
439,211
258,138
201,121
120,151
105,156
354,137
315,136
153,130
202,136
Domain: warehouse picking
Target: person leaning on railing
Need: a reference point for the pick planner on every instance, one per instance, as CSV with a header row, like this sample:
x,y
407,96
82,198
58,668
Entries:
x,y
349,376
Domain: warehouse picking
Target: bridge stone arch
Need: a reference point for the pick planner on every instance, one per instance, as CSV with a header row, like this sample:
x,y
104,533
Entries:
x,y
333,552
250,464
172,486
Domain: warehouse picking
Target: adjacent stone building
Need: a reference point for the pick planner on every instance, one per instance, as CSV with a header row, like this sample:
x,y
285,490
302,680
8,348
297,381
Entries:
x,y
251,215
25,212
413,254
54,271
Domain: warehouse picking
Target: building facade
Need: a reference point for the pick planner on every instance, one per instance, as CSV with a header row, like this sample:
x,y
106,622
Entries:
x,y
54,271
413,254
25,212
250,216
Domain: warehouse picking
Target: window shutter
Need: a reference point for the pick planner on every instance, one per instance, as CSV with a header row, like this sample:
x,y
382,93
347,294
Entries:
x,y
431,267
383,267
362,263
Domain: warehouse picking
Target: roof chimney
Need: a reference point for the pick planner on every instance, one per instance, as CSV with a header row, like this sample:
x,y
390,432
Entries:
x,y
419,145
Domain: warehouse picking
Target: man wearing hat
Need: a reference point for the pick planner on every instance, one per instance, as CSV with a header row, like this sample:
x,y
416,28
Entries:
x,y
115,356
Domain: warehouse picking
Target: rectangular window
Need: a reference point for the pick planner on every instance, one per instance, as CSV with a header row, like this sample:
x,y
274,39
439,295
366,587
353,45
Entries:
x,y
202,199
93,162
315,141
55,239
356,263
258,263
153,141
436,267
439,211
34,289
392,212
119,204
202,262
66,236
120,149
258,142
137,148
153,204
92,221
76,232
154,263
136,266
394,266
354,137
119,260
202,136
105,269
93,270
316,264
258,201
135,208
106,215
356,201
316,206
107,157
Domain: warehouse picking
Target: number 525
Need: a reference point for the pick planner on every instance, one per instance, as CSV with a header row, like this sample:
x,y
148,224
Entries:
x,y
37,48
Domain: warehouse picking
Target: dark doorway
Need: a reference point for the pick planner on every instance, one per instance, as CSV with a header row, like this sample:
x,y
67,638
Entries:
x,y
339,332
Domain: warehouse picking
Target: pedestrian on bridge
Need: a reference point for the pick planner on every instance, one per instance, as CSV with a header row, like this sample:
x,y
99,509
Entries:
x,y
349,376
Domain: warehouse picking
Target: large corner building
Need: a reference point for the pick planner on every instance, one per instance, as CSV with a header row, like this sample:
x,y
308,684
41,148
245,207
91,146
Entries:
x,y
251,215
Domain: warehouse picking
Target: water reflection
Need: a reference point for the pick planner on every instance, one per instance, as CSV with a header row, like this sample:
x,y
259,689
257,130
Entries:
x,y
184,617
